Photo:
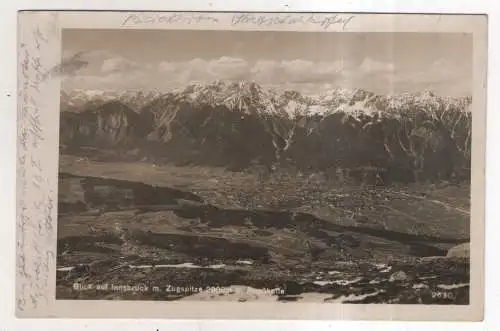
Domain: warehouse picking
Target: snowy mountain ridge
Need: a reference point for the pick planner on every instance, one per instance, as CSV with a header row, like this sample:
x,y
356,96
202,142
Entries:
x,y
252,98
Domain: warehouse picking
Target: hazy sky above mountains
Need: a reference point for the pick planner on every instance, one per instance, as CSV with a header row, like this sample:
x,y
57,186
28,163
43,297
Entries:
x,y
309,62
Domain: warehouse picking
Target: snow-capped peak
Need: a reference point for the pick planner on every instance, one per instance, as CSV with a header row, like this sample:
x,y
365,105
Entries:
x,y
136,99
251,98
248,97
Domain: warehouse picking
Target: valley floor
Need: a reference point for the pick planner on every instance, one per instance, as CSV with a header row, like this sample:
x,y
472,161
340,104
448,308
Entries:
x,y
286,238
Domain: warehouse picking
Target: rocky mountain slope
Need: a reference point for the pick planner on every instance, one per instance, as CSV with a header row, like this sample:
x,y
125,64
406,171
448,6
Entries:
x,y
79,100
241,125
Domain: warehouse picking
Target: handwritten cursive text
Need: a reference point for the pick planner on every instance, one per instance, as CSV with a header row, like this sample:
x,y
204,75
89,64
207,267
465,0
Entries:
x,y
325,22
173,18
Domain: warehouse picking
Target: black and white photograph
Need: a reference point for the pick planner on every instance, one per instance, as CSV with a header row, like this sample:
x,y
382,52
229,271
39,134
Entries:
x,y
222,165
320,166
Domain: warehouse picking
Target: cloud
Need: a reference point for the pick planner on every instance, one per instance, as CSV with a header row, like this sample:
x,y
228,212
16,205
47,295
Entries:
x,y
109,71
166,67
296,71
205,70
262,71
105,70
101,62
117,64
114,80
371,66
267,72
95,58
229,68
368,69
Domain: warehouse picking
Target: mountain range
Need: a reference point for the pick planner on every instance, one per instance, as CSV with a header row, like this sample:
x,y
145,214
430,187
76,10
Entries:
x,y
240,125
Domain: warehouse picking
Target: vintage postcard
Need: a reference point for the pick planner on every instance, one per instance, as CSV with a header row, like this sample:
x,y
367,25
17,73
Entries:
x,y
251,165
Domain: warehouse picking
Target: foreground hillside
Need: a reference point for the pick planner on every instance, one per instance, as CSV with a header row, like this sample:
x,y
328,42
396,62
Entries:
x,y
405,138
134,224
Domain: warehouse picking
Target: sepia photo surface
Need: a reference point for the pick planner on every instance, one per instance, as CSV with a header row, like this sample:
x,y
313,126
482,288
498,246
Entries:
x,y
248,165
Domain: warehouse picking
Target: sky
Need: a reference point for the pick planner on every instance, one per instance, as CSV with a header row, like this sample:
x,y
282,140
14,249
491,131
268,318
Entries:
x,y
309,62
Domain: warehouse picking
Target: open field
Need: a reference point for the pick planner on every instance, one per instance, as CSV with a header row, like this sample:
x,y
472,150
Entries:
x,y
137,223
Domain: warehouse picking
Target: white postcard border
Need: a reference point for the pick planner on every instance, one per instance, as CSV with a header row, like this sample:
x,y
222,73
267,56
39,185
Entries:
x,y
38,127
